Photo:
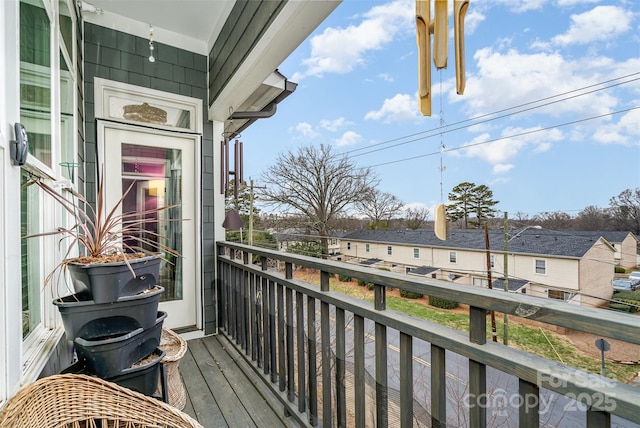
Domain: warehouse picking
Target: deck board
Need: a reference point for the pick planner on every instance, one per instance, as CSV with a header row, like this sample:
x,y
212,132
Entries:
x,y
224,391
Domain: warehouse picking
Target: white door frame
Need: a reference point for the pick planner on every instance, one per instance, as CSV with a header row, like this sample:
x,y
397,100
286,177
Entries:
x,y
102,128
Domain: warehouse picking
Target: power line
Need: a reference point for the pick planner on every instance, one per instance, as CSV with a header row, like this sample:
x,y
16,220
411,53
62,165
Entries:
x,y
476,119
573,122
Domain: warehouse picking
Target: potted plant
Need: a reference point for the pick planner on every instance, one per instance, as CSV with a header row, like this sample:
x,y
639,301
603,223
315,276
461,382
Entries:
x,y
113,314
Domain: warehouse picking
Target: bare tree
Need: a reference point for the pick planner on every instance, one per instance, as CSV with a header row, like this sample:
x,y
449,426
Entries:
x,y
379,207
625,209
556,220
416,217
593,218
317,184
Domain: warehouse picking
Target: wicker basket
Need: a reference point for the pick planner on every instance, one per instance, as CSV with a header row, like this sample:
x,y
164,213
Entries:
x,y
73,400
175,347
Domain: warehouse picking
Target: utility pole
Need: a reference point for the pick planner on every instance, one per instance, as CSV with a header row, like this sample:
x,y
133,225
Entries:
x,y
251,187
505,327
494,334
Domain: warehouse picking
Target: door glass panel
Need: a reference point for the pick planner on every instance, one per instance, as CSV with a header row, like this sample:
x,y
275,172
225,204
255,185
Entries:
x,y
156,174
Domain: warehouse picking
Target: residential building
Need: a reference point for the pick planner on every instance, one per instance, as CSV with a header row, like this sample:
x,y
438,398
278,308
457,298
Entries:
x,y
576,268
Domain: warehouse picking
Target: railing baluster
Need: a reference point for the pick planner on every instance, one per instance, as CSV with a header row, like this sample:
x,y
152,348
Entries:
x,y
358,367
290,353
438,387
341,397
382,405
253,319
272,332
302,383
529,415
246,307
282,357
312,361
477,371
233,298
325,335
406,380
598,418
267,313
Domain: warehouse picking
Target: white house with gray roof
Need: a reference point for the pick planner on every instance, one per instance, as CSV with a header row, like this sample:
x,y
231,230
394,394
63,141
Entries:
x,y
576,268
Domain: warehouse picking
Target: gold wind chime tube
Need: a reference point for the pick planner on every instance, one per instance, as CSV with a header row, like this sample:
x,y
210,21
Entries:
x,y
439,27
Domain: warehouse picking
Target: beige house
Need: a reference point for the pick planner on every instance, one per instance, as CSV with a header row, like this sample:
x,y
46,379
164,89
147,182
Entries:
x,y
544,263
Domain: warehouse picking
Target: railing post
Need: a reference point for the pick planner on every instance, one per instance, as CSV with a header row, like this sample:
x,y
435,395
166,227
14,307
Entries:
x,y
302,383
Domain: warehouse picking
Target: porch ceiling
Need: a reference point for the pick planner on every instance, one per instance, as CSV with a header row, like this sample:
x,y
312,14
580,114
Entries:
x,y
196,19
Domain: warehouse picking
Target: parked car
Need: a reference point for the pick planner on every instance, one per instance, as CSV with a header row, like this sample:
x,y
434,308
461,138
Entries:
x,y
635,275
626,284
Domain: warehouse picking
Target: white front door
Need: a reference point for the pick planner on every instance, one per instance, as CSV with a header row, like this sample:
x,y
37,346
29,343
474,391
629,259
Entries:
x,y
162,167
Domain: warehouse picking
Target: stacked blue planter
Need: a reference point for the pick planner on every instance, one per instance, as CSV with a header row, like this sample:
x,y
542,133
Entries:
x,y
114,322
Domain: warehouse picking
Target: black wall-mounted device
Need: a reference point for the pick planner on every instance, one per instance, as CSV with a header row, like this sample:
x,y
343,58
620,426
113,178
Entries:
x,y
19,145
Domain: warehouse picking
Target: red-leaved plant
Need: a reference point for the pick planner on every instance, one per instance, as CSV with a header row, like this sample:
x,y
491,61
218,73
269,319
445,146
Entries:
x,y
104,236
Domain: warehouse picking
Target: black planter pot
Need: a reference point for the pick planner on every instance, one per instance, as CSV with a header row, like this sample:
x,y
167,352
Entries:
x,y
107,282
142,378
109,356
82,317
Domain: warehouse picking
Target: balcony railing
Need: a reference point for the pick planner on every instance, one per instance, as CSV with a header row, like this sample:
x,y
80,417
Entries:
x,y
336,360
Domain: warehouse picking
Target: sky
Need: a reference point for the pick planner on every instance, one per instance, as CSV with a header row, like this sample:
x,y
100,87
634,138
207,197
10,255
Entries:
x,y
549,119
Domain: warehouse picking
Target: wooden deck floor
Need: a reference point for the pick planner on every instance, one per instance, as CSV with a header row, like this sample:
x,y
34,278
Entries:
x,y
224,391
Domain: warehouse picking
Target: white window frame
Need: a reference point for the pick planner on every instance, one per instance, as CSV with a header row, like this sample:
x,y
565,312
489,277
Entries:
x,y
38,346
389,250
416,253
535,266
367,248
453,257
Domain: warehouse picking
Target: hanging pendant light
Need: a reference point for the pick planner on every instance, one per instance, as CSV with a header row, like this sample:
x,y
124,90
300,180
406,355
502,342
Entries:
x,y
151,57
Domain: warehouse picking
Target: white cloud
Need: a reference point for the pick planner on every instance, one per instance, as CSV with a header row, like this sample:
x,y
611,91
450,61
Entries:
x,y
499,152
626,131
502,168
511,78
334,125
305,130
340,50
386,77
600,23
349,138
400,108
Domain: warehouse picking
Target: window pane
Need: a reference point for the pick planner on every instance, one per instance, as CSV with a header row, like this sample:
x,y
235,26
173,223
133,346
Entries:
x,y
66,121
35,84
30,223
66,27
